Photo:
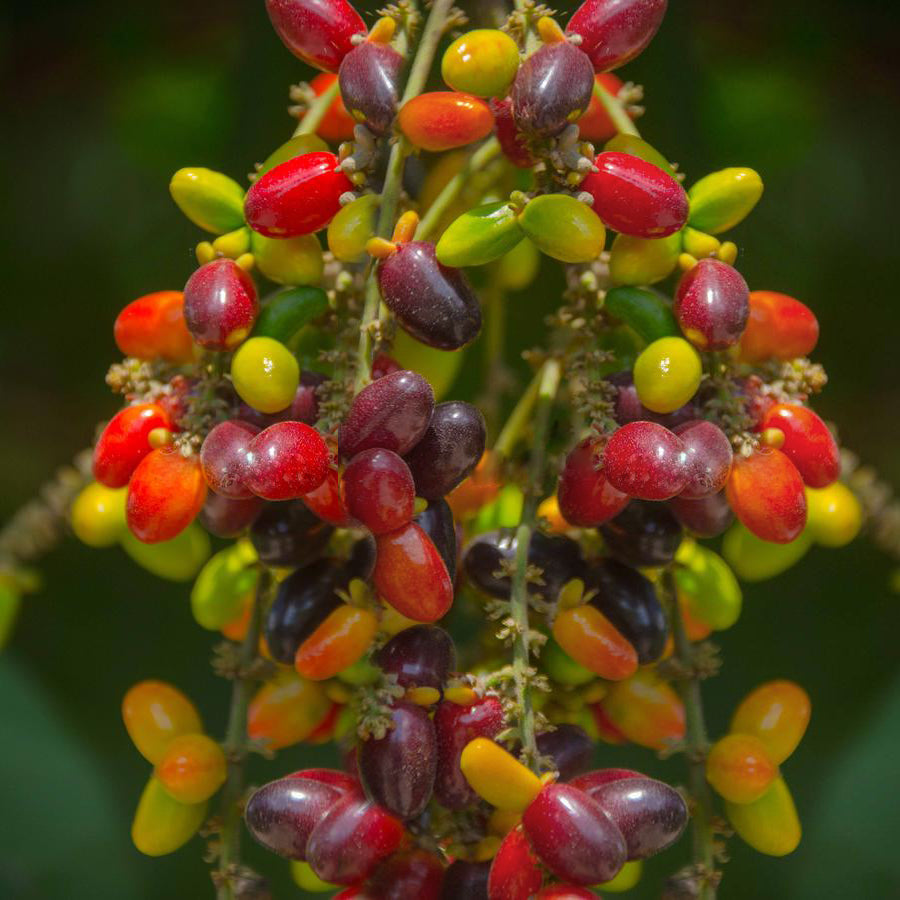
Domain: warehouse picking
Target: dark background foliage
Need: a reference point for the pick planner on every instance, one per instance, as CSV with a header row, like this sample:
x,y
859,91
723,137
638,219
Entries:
x,y
104,100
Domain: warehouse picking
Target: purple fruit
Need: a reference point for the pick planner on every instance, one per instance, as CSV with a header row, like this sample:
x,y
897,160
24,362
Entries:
x,y
570,747
369,78
421,656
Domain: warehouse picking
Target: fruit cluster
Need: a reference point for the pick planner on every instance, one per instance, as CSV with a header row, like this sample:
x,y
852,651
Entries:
x,y
286,401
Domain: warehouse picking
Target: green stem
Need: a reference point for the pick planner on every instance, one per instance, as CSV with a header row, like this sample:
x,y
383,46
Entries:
x,y
547,386
487,152
615,111
390,194
235,747
697,744
518,419
317,110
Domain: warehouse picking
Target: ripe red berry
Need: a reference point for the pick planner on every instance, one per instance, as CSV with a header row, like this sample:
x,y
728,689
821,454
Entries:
x,y
585,496
153,327
286,461
779,327
635,197
709,457
319,32
808,443
613,32
712,305
224,458
379,490
512,141
515,873
125,441
647,461
297,197
220,305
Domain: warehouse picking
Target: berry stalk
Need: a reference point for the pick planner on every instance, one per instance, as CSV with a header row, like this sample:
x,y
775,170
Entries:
x,y
317,110
615,111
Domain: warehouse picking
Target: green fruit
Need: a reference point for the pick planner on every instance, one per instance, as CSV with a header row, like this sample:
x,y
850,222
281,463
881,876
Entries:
x,y
637,261
561,667
712,592
176,560
292,261
265,374
480,236
283,315
209,199
352,227
723,199
438,367
10,601
218,595
518,268
161,825
754,559
644,311
563,227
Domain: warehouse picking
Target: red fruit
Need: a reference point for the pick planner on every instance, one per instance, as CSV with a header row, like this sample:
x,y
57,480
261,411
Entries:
x,y
337,124
443,120
572,835
512,141
709,457
227,518
779,327
344,782
384,365
609,733
416,874
645,460
410,574
125,442
595,124
591,780
613,32
153,327
635,197
515,874
456,725
165,494
380,491
808,443
326,501
585,496
712,305
220,305
286,461
351,840
297,197
765,491
319,32
224,458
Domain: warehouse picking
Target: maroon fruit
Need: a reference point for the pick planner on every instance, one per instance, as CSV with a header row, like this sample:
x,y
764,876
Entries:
x,y
220,305
712,305
570,747
224,458
226,518
369,78
613,32
421,656
286,461
379,490
647,461
707,518
643,534
709,457
319,32
585,496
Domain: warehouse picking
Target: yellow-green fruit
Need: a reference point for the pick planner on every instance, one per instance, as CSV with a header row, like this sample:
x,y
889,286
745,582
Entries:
x,y
723,199
713,594
482,62
479,236
221,588
352,227
161,825
438,367
629,875
307,880
209,199
265,374
296,146
176,560
667,374
497,776
292,261
769,825
635,261
563,227
10,601
518,268
233,244
753,559
833,515
97,515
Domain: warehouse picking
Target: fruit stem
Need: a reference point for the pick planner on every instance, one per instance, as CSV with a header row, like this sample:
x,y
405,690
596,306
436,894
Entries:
x,y
547,383
696,747
616,111
518,419
235,747
313,116
393,182
487,152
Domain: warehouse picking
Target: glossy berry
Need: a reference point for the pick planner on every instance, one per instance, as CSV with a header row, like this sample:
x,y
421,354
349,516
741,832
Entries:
x,y
629,602
835,515
808,443
482,62
497,776
421,656
643,534
455,726
449,450
192,768
770,824
563,227
572,835
765,491
165,494
223,456
613,32
265,374
155,713
570,747
667,374
162,825
413,873
515,874
645,710
512,141
220,305
585,496
709,458
337,643
776,712
288,534
594,642
410,574
443,120
552,89
317,31
712,305
297,197
433,302
153,327
635,197
595,124
370,76
379,489
779,327
398,770
351,839
125,441
392,413
738,766
647,461
286,461
327,502
706,518
286,710
97,515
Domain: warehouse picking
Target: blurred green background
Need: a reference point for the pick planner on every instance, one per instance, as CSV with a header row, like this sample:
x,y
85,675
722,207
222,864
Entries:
x,y
104,100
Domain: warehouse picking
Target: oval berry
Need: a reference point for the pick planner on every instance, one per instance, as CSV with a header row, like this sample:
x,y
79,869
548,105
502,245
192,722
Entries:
x,y
808,443
709,458
319,32
370,76
337,643
125,441
444,120
594,642
712,304
643,534
153,327
220,305
585,496
647,461
613,32
223,456
779,327
155,713
776,712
